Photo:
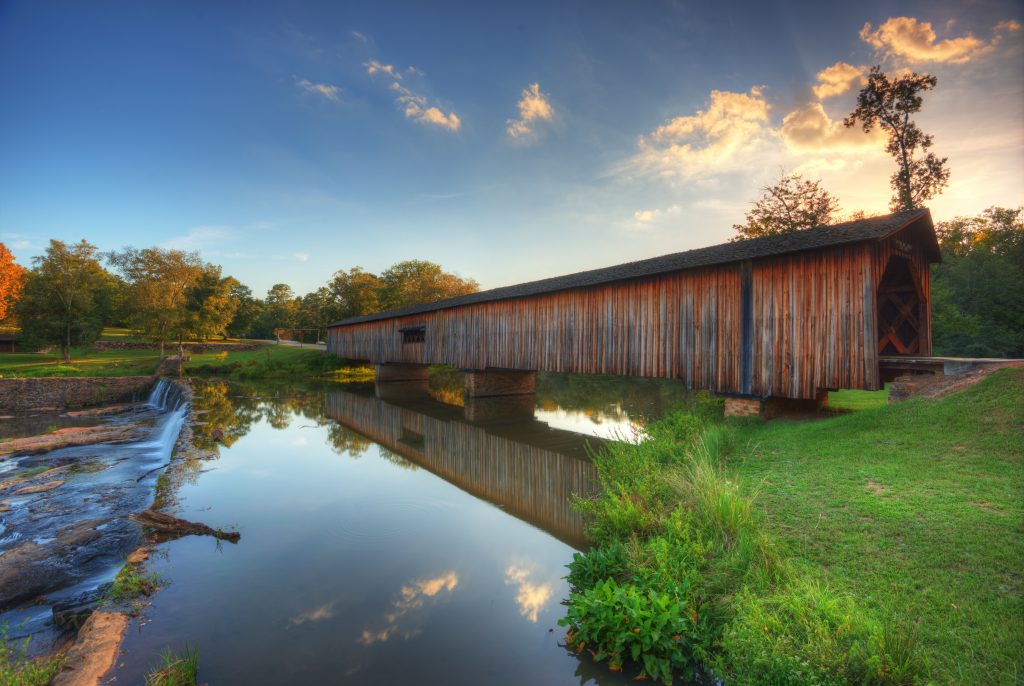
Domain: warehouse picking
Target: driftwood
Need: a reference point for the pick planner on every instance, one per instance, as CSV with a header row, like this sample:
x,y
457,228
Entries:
x,y
166,524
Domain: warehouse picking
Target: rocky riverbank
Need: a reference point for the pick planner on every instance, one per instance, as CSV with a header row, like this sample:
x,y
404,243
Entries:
x,y
67,498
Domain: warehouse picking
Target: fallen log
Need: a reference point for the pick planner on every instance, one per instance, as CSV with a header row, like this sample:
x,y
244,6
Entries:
x,y
166,524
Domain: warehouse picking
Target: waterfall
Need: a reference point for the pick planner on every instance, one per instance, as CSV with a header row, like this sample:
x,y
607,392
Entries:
x,y
169,399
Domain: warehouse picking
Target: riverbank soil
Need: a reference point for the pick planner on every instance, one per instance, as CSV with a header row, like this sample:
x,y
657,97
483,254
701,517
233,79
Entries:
x,y
916,509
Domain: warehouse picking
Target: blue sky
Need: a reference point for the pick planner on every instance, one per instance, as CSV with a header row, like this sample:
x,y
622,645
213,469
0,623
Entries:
x,y
507,142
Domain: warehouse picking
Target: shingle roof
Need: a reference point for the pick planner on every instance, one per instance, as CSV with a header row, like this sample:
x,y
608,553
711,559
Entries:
x,y
855,231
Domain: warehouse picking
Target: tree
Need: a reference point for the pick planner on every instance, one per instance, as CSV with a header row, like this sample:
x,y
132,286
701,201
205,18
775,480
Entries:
x,y
248,313
355,293
978,289
792,204
317,309
415,282
12,279
281,308
62,301
158,281
209,304
888,104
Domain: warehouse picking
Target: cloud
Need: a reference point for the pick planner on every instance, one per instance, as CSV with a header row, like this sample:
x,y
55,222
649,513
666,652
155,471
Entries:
x,y
532,596
644,219
414,105
916,41
374,67
199,237
710,141
325,611
838,79
534,107
301,256
809,129
325,89
410,597
358,36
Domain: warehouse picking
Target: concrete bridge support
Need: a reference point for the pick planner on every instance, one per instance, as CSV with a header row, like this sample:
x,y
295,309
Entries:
x,y
503,408
487,383
402,381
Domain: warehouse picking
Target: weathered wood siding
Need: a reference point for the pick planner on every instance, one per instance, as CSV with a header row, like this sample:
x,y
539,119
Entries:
x,y
785,326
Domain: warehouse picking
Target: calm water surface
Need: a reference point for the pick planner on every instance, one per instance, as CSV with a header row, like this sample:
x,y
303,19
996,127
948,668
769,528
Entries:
x,y
384,540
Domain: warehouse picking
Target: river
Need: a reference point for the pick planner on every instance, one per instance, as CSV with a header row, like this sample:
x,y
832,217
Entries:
x,y
384,540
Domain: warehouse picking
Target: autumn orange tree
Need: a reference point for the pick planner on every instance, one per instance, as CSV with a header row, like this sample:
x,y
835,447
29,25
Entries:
x,y
12,279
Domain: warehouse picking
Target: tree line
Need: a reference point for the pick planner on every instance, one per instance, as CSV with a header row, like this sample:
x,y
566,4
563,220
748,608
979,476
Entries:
x,y
170,296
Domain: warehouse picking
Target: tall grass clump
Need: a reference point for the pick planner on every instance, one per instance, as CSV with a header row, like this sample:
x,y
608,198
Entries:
x,y
18,669
176,669
683,575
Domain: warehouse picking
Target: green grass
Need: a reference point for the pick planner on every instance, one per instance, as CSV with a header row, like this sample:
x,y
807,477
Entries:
x,y
130,586
83,363
883,546
176,670
857,400
916,509
17,669
268,361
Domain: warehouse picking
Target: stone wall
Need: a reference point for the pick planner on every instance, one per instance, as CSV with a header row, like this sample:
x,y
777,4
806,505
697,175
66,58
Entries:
x,y
59,393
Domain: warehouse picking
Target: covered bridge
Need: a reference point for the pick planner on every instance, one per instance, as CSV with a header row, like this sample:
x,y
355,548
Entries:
x,y
787,316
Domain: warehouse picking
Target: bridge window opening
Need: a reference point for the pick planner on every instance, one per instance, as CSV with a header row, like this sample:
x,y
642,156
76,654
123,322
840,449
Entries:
x,y
900,310
414,334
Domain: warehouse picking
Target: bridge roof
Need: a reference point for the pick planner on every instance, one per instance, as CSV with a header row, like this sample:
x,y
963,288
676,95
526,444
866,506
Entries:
x,y
856,231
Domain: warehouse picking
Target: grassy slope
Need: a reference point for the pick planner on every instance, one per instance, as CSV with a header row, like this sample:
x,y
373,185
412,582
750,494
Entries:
x,y
917,507
133,362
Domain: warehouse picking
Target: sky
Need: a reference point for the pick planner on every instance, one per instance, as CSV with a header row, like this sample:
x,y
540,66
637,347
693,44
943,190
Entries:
x,y
505,141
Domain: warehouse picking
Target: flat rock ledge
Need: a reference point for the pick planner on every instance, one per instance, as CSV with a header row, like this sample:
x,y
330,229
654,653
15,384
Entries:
x,y
94,652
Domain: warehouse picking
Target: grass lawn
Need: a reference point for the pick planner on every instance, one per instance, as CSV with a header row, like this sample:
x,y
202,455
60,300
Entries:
x,y
915,508
139,362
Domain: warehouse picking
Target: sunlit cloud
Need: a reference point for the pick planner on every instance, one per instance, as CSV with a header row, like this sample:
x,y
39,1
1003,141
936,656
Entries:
x,y
375,67
414,105
317,614
534,107
531,596
838,79
325,89
916,41
410,597
712,140
645,219
809,129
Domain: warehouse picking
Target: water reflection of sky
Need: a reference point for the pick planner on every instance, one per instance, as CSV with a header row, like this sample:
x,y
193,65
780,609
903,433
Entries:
x,y
612,423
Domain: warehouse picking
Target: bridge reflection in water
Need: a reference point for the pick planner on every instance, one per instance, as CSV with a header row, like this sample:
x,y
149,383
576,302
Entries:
x,y
493,448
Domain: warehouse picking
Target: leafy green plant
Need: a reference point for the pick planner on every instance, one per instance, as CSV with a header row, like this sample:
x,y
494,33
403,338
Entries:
x,y
176,669
18,669
597,564
656,630
131,585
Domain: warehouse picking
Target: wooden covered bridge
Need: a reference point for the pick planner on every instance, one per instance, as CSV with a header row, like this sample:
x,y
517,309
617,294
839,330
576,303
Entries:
x,y
787,317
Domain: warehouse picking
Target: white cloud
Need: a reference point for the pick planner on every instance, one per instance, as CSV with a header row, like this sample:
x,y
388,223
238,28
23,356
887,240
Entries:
x,y
838,79
916,41
327,90
200,237
534,107
301,256
716,139
359,37
645,219
414,105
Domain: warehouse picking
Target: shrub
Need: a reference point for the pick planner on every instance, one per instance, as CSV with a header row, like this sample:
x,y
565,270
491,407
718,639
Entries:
x,y
654,629
597,564
18,669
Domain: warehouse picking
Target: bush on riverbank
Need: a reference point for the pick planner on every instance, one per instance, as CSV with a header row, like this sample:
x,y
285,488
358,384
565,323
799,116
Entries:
x,y
684,573
269,362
